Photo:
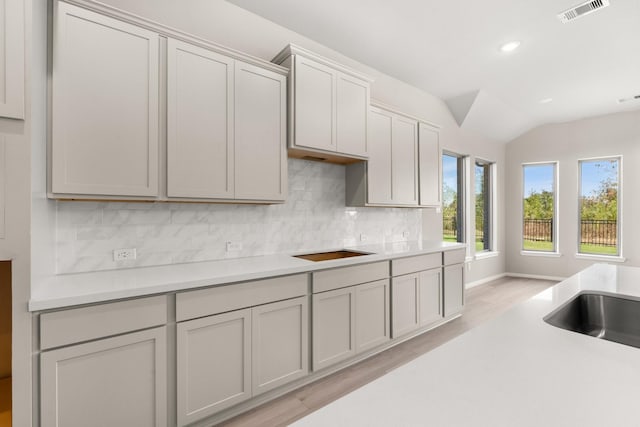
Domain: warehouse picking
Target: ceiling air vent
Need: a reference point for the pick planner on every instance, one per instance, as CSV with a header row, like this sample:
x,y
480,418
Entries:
x,y
631,98
582,10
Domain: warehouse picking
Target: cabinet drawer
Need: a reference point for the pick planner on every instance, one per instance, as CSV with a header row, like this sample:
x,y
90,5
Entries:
x,y
453,257
415,263
82,324
349,276
206,302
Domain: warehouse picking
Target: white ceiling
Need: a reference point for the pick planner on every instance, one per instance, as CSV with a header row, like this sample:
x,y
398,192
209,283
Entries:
x,y
450,48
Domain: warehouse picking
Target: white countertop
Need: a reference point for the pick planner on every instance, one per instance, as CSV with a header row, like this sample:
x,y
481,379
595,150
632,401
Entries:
x,y
515,370
85,288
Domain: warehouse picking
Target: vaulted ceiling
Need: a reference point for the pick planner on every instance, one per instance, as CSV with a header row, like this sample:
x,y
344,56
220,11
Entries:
x,y
450,48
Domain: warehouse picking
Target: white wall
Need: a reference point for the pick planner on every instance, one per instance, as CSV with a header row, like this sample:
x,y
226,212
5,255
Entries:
x,y
616,134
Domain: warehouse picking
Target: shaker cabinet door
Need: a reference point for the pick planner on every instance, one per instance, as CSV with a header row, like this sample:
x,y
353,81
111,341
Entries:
x,y
372,315
118,381
280,334
453,289
404,162
12,50
260,133
214,364
429,165
352,107
199,122
333,327
105,106
315,113
404,300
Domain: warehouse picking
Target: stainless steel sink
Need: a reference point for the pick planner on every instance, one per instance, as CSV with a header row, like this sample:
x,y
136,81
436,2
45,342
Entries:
x,y
327,256
601,316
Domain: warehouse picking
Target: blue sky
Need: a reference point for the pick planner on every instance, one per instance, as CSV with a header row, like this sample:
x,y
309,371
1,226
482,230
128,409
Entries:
x,y
449,173
540,177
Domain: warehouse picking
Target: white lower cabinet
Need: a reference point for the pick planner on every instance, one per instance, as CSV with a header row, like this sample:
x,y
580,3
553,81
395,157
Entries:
x,y
416,301
349,320
214,364
280,343
453,289
372,315
119,381
333,325
228,358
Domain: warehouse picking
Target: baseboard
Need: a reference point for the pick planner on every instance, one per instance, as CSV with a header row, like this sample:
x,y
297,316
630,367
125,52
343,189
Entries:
x,y
483,281
535,276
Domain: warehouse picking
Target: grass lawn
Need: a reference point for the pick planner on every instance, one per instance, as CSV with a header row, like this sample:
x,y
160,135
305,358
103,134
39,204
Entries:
x,y
598,250
449,238
534,245
479,244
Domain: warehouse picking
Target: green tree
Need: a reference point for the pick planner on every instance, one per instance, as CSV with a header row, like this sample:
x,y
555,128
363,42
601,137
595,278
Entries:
x,y
539,205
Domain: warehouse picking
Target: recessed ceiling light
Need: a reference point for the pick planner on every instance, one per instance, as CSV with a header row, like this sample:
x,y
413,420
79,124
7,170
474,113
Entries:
x,y
545,101
510,46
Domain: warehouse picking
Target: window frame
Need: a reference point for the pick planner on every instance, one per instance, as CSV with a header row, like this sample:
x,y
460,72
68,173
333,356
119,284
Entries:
x,y
461,193
555,221
619,221
489,211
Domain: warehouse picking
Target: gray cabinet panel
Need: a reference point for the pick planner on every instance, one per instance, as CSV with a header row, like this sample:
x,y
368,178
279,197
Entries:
x,y
314,105
199,122
333,327
117,381
260,133
280,343
214,364
372,315
453,289
430,296
105,106
352,106
404,162
404,308
429,165
378,168
347,276
12,51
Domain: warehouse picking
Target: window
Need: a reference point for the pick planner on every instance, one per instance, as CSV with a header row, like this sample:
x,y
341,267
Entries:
x,y
453,198
484,214
539,207
599,229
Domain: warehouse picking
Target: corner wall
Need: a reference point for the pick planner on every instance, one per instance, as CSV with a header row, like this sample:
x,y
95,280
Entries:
x,y
615,134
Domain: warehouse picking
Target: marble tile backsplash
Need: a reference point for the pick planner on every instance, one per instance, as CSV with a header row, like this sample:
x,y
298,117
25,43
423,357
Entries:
x,y
314,217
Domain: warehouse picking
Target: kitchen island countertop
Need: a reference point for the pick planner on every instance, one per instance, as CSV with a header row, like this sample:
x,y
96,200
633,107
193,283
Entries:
x,y
515,370
67,290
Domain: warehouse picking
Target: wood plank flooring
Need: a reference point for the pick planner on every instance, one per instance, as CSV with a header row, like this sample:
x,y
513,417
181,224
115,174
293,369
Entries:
x,y
482,303
5,402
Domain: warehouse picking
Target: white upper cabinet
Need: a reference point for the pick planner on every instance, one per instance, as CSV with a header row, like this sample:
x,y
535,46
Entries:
x,y
390,176
105,106
429,165
199,122
225,115
404,165
260,133
328,106
226,127
12,59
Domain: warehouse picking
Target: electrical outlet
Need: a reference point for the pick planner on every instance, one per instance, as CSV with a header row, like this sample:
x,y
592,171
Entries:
x,y
124,254
234,246
363,237
405,234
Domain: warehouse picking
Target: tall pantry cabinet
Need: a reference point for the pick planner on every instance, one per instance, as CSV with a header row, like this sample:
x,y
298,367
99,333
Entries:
x,y
153,114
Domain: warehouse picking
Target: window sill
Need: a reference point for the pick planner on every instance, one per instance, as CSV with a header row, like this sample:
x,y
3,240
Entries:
x,y
487,254
541,253
605,258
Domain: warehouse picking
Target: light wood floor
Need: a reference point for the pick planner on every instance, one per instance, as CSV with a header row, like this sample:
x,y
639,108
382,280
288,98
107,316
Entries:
x,y
5,402
482,303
